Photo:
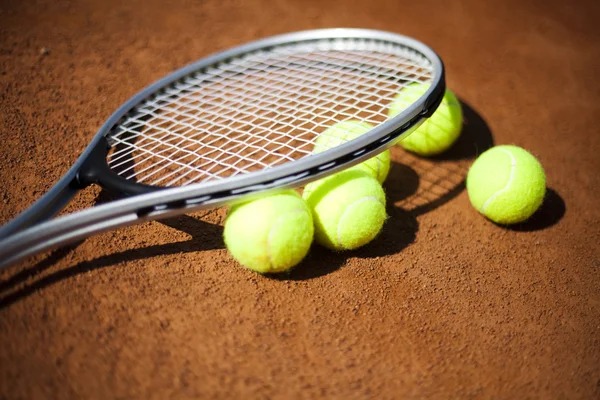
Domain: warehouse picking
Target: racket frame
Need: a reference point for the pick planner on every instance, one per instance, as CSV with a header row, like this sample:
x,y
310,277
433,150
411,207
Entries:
x,y
33,231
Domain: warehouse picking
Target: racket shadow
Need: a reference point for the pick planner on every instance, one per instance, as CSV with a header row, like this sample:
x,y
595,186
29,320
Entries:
x,y
38,268
204,236
415,186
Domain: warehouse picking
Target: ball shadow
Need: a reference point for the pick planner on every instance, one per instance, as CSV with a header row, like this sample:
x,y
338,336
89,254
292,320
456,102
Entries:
x,y
475,138
401,183
399,231
550,212
318,262
402,226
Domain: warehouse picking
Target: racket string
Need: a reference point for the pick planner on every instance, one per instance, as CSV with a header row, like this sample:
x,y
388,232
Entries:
x,y
260,110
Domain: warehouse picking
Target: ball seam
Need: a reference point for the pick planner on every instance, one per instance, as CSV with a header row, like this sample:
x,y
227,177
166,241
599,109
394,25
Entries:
x,y
338,239
271,232
513,164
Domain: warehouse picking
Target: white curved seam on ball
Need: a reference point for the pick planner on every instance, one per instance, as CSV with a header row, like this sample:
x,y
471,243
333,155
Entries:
x,y
513,164
369,198
271,232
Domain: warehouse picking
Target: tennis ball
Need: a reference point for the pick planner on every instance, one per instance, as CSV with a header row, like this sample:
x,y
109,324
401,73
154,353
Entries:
x,y
271,234
348,209
437,133
378,166
506,184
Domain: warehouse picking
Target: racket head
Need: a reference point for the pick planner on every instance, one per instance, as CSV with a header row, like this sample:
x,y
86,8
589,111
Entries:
x,y
32,231
263,140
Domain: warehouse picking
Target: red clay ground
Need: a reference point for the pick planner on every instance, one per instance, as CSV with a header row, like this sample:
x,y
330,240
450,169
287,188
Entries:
x,y
444,304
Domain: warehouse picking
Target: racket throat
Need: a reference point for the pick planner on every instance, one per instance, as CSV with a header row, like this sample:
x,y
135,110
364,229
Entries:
x,y
95,170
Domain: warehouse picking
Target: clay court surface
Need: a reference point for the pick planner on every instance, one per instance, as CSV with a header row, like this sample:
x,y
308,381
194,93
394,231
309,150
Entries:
x,y
442,305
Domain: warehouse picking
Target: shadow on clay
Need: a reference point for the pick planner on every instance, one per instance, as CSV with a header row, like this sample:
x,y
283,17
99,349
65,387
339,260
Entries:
x,y
475,138
37,269
403,181
399,232
550,212
205,236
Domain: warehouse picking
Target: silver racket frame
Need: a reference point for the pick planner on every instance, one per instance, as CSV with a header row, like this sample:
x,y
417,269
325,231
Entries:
x,y
20,238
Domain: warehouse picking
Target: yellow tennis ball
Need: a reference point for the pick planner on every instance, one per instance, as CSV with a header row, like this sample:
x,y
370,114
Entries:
x,y
348,209
378,166
271,234
437,133
506,184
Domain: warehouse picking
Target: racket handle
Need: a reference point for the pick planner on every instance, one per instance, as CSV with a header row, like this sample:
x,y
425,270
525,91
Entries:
x,y
80,225
52,234
44,208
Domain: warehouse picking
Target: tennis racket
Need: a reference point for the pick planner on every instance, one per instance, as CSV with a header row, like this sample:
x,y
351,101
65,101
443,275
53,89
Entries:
x,y
238,124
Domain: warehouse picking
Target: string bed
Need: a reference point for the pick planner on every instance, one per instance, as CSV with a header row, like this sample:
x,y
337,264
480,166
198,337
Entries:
x,y
259,110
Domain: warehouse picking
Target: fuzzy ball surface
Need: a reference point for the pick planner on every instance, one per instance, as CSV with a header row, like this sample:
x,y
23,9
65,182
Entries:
x,y
378,166
271,234
507,184
437,133
348,209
